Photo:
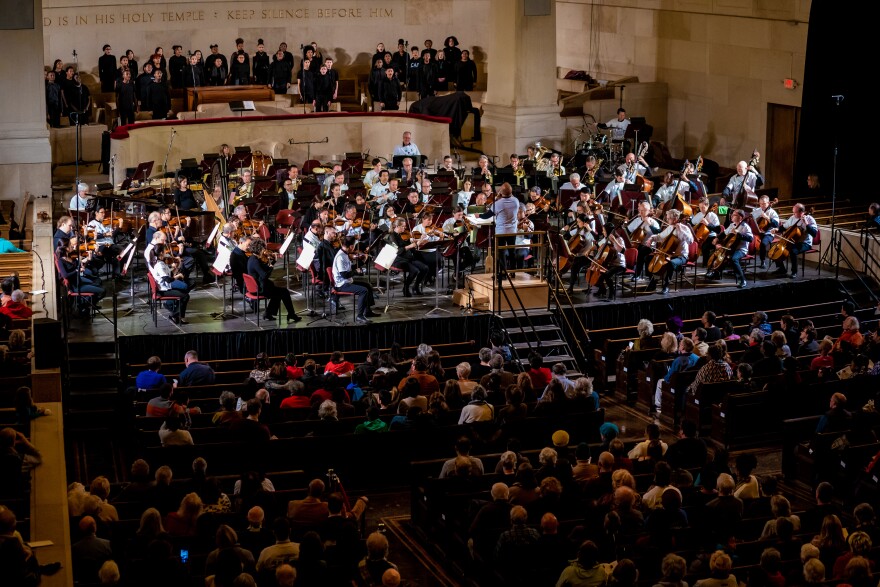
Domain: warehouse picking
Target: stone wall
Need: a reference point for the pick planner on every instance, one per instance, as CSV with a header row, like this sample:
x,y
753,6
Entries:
x,y
723,62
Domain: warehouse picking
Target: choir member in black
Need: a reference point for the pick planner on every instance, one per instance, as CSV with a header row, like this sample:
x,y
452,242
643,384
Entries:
x,y
78,100
465,72
306,80
160,101
217,72
58,68
400,60
450,47
279,73
380,53
261,65
107,70
215,53
406,261
343,280
123,65
239,50
427,75
132,62
285,54
323,90
126,99
144,82
194,75
66,82
445,71
412,70
183,196
389,92
240,71
334,76
159,65
310,56
376,75
72,268
259,267
429,48
316,55
53,101
160,54
176,67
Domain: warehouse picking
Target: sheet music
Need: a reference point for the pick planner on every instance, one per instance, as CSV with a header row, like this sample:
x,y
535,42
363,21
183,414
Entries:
x,y
221,263
213,233
286,244
385,258
306,257
133,247
476,220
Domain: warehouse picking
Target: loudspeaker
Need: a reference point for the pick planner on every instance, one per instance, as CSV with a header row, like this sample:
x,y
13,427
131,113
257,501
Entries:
x,y
48,343
536,8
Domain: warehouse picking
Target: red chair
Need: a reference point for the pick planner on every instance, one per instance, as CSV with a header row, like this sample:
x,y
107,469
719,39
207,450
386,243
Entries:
x,y
693,255
816,248
251,292
156,297
335,292
284,222
72,294
630,256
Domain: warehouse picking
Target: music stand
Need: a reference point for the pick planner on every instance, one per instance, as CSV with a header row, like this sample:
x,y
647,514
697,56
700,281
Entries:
x,y
418,160
142,171
440,245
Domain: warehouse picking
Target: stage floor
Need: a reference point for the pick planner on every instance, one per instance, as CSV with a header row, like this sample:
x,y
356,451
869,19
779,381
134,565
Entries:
x,y
206,300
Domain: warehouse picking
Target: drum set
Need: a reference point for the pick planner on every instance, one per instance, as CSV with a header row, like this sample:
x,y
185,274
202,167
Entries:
x,y
600,146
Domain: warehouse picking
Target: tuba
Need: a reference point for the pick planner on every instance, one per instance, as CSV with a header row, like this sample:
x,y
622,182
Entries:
x,y
540,162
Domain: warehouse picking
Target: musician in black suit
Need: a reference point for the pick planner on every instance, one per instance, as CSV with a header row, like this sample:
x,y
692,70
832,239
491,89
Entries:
x,y
183,196
287,196
238,261
259,266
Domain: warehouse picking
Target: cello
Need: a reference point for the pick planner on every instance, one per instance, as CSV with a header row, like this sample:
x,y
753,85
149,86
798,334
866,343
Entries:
x,y
764,221
701,231
662,254
721,254
793,235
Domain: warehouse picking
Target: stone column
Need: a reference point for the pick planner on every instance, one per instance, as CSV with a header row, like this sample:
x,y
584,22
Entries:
x,y
25,154
520,106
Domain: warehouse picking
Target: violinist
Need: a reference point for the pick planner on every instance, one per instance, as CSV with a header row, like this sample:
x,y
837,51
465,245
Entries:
x,y
739,247
70,267
583,198
584,231
613,190
678,256
426,190
335,199
312,212
807,224
339,180
343,280
314,234
633,166
259,266
238,262
154,225
169,280
183,196
226,238
428,254
352,225
712,222
324,256
104,234
379,191
190,256
526,224
615,264
765,212
647,227
384,224
413,268
463,197
411,205
63,230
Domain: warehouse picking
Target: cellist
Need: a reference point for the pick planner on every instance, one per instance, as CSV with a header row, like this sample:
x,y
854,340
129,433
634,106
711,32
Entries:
x,y
765,212
712,222
738,248
805,222
679,255
615,263
649,227
584,229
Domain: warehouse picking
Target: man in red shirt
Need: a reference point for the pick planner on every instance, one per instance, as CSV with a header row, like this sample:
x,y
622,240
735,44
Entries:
x,y
338,365
427,382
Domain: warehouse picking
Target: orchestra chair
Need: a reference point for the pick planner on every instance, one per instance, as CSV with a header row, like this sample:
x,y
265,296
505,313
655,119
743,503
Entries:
x,y
752,257
285,220
691,263
72,295
251,292
815,249
337,293
156,297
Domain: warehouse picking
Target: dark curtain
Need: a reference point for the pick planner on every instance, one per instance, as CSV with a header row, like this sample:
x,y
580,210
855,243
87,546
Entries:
x,y
232,344
835,66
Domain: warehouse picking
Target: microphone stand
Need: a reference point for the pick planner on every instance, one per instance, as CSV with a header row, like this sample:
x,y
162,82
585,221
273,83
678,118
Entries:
x,y
77,130
167,153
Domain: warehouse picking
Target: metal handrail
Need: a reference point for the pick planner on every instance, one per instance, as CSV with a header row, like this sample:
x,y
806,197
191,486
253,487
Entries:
x,y
553,291
837,241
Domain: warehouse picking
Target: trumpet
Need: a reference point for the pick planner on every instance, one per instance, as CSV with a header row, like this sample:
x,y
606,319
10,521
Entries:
x,y
558,171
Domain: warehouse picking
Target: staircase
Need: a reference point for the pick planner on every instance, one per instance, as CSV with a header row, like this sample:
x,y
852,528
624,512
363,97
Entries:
x,y
539,333
93,412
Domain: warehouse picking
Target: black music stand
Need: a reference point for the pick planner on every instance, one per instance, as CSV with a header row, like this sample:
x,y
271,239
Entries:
x,y
142,172
418,160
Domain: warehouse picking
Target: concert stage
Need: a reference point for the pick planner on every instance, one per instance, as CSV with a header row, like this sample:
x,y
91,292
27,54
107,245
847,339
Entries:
x,y
407,321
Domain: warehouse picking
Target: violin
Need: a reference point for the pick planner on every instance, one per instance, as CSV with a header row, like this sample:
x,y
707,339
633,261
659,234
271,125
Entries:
x,y
268,257
542,204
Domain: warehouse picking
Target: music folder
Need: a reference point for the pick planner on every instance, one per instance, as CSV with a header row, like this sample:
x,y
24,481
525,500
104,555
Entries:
x,y
242,106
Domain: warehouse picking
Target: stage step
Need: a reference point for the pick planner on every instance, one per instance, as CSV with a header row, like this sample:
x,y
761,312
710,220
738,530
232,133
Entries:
x,y
551,359
524,346
528,330
99,362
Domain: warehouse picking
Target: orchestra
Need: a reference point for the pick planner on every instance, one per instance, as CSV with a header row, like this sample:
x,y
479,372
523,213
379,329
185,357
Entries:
x,y
427,215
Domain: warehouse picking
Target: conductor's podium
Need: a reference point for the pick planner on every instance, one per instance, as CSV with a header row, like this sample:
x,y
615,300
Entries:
x,y
530,292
